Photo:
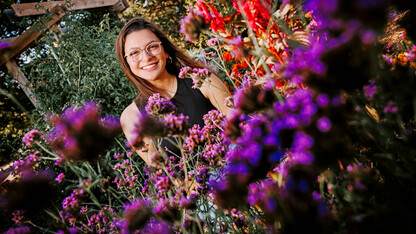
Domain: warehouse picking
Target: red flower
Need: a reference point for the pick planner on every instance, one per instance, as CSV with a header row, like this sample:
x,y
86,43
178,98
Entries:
x,y
258,16
216,20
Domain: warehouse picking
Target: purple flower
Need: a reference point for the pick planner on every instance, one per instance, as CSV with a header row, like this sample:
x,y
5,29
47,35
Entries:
x,y
17,216
71,203
194,139
184,71
322,100
391,107
323,124
296,79
212,42
18,230
31,136
369,90
368,36
302,141
84,209
176,125
118,156
199,75
187,202
302,157
214,119
73,230
157,227
265,195
4,45
60,177
34,157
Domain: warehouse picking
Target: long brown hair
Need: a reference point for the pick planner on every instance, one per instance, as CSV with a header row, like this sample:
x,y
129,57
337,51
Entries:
x,y
179,58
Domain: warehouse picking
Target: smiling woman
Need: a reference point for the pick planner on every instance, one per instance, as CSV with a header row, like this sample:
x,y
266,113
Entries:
x,y
152,63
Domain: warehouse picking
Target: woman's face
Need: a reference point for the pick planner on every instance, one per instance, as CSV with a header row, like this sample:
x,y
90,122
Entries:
x,y
150,68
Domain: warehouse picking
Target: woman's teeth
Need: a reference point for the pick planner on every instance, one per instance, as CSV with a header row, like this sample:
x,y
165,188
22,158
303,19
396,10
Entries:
x,y
149,67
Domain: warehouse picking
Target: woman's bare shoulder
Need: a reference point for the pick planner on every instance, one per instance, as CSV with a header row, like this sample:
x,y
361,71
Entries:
x,y
130,114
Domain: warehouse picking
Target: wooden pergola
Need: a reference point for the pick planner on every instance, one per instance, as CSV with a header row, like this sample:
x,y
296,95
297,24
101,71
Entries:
x,y
57,10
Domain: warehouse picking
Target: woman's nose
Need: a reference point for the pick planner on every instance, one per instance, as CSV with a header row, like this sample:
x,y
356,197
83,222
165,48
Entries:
x,y
147,55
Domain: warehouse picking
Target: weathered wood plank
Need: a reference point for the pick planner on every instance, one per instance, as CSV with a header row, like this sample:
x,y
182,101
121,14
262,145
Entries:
x,y
24,83
27,9
22,42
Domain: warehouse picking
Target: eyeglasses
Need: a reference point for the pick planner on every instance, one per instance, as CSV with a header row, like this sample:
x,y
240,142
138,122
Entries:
x,y
152,49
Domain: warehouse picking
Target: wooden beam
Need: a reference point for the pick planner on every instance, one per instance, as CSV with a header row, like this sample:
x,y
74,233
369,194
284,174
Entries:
x,y
24,83
8,40
120,6
27,9
22,42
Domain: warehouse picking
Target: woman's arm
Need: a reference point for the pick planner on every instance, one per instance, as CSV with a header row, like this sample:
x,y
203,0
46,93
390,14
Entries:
x,y
216,92
129,119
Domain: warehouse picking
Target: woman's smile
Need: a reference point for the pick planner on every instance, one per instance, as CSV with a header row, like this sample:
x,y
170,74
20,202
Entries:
x,y
150,67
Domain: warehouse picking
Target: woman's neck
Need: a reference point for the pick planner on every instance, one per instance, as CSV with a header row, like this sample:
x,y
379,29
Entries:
x,y
167,86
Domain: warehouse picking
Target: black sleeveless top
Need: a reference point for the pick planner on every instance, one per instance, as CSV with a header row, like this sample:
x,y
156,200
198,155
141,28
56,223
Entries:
x,y
190,102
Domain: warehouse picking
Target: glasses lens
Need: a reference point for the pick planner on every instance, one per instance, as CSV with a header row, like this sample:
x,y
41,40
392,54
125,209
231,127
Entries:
x,y
153,48
136,55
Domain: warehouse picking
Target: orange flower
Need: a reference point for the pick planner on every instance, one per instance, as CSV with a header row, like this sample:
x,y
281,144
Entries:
x,y
227,56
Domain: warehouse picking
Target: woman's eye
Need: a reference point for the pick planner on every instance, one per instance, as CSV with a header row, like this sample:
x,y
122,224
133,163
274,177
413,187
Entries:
x,y
152,47
134,53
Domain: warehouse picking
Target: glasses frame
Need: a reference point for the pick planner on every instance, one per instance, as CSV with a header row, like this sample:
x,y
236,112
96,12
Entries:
x,y
159,43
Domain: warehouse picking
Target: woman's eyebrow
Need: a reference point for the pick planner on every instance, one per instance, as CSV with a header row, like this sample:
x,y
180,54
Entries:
x,y
135,48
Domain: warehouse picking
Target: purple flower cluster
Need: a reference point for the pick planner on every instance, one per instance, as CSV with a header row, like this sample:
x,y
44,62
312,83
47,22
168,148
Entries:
x,y
128,173
369,90
71,204
167,209
159,106
18,230
209,140
193,24
4,45
137,214
194,139
101,223
147,126
198,75
266,196
18,216
60,178
176,124
157,226
212,42
391,107
31,136
80,134
253,98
